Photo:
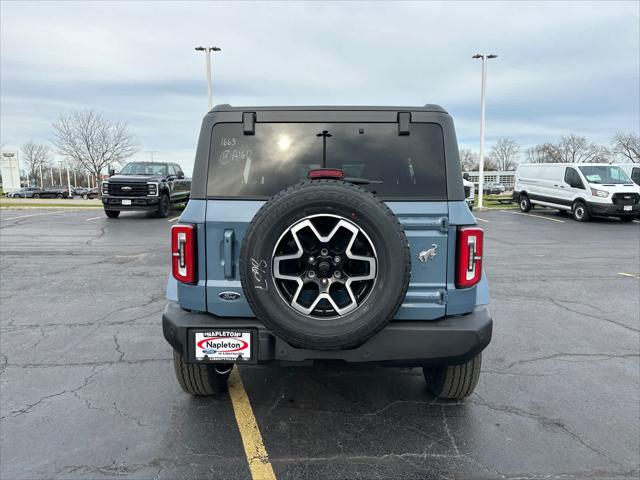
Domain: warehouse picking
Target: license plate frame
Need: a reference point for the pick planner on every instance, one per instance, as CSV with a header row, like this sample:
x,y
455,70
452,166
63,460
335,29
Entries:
x,y
221,337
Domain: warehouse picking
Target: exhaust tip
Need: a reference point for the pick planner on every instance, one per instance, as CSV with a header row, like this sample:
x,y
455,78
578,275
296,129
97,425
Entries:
x,y
223,369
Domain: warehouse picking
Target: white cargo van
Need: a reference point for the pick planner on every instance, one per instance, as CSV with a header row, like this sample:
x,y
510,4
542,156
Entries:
x,y
632,170
584,189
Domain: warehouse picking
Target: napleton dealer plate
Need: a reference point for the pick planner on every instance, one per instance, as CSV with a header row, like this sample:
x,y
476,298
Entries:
x,y
228,345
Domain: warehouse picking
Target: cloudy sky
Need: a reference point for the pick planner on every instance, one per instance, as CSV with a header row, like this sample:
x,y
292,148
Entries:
x,y
562,67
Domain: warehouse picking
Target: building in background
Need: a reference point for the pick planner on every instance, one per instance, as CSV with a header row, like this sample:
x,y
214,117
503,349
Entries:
x,y
506,178
10,170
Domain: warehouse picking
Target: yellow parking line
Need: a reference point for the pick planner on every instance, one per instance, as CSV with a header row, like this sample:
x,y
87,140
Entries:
x,y
254,448
173,219
531,215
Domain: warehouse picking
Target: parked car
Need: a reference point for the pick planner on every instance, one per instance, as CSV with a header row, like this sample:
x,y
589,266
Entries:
x,y
469,190
24,192
493,189
334,233
52,192
85,193
151,186
582,189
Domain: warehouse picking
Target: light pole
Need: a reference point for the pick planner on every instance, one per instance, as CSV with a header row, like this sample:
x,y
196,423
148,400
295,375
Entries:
x,y
482,94
208,51
68,179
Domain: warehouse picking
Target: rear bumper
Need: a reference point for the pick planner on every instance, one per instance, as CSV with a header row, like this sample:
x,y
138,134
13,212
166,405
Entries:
x,y
606,209
137,203
448,341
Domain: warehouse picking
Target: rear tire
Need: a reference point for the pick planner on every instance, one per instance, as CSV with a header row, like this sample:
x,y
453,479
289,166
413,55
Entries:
x,y
112,213
163,206
199,379
454,381
85,196
580,212
525,203
35,195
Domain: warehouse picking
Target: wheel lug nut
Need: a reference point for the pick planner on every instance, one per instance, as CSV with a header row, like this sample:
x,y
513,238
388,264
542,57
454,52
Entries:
x,y
337,274
337,259
311,274
324,252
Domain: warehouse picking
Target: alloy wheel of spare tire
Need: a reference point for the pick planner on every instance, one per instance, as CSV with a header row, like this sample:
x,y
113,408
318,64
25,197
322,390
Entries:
x,y
325,265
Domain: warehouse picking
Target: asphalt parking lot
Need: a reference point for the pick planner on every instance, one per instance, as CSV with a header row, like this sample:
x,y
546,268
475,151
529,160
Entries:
x,y
88,390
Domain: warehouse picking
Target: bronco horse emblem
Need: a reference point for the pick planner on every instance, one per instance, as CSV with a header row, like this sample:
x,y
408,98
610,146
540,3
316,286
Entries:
x,y
426,255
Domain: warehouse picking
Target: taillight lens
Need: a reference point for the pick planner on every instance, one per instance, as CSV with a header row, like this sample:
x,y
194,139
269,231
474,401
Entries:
x,y
183,253
469,256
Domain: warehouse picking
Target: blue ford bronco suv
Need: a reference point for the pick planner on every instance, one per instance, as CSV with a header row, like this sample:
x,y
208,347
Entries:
x,y
327,233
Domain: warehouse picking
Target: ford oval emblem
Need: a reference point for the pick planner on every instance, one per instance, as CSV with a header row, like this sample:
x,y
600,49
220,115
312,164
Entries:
x,y
229,296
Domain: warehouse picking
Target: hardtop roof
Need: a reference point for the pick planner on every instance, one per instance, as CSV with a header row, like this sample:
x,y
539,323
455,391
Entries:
x,y
331,108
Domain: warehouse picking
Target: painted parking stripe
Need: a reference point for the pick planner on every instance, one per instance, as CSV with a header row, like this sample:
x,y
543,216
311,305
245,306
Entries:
x,y
37,214
254,448
535,216
173,219
636,221
94,218
482,220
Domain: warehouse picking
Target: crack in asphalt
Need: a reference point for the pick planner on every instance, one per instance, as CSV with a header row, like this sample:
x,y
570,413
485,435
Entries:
x,y
29,408
545,422
560,303
560,355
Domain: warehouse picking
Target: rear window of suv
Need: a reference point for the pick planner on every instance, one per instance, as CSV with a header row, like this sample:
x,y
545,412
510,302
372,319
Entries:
x,y
281,154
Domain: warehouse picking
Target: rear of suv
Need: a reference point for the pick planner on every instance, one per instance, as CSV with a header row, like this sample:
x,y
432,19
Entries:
x,y
327,233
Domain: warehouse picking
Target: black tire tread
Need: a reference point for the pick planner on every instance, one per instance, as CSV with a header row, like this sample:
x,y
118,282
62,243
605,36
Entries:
x,y
198,379
454,381
161,213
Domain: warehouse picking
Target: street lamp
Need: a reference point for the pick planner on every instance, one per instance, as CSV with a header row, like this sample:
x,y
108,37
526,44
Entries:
x,y
482,94
208,51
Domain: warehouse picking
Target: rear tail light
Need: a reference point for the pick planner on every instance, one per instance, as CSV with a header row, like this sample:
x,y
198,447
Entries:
x,y
183,253
469,256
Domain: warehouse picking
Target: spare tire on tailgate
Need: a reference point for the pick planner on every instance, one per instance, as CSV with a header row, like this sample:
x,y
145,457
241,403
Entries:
x,y
325,265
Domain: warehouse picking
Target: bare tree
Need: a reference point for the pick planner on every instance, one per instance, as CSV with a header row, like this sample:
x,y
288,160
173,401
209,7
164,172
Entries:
x,y
627,145
93,141
468,160
574,149
539,153
37,157
490,165
505,153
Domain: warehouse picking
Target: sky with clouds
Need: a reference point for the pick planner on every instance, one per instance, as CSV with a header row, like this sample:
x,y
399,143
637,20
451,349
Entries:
x,y
561,67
